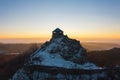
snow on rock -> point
(21, 74)
(60, 51)
(57, 60)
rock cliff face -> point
(60, 51)
(68, 49)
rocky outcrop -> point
(69, 49)
(60, 52)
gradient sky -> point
(80, 19)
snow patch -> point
(58, 61)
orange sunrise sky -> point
(25, 21)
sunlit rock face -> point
(60, 52)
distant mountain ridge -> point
(108, 58)
(99, 46)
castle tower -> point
(57, 33)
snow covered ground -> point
(56, 60)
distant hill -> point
(97, 46)
(21, 47)
(107, 58)
(15, 48)
(9, 63)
